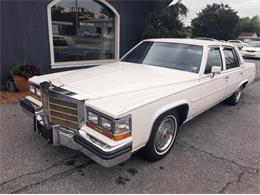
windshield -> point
(168, 55)
(253, 45)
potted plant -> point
(21, 73)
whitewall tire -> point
(162, 137)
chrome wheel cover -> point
(165, 135)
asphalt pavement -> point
(217, 152)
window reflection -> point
(82, 30)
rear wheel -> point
(235, 98)
(162, 137)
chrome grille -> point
(63, 113)
(62, 109)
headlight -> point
(34, 89)
(92, 117)
(116, 129)
(107, 124)
(122, 125)
(38, 91)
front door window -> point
(214, 59)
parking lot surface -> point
(217, 152)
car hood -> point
(116, 78)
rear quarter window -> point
(231, 58)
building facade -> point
(60, 35)
(249, 36)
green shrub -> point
(26, 71)
(165, 21)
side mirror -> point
(215, 70)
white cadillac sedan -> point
(108, 112)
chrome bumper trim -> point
(29, 107)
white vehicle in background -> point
(65, 49)
(251, 50)
(239, 44)
(108, 36)
(109, 112)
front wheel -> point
(162, 137)
(235, 98)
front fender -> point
(168, 107)
(159, 112)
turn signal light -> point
(121, 136)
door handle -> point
(227, 77)
(241, 73)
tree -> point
(218, 21)
(165, 21)
(249, 25)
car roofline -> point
(196, 42)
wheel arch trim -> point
(244, 82)
(165, 109)
(169, 107)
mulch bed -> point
(7, 97)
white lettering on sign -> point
(97, 14)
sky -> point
(245, 8)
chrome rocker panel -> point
(102, 153)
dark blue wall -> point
(24, 31)
(24, 35)
(132, 14)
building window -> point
(82, 32)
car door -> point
(234, 72)
(213, 86)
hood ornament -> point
(50, 85)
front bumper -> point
(80, 140)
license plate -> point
(45, 132)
